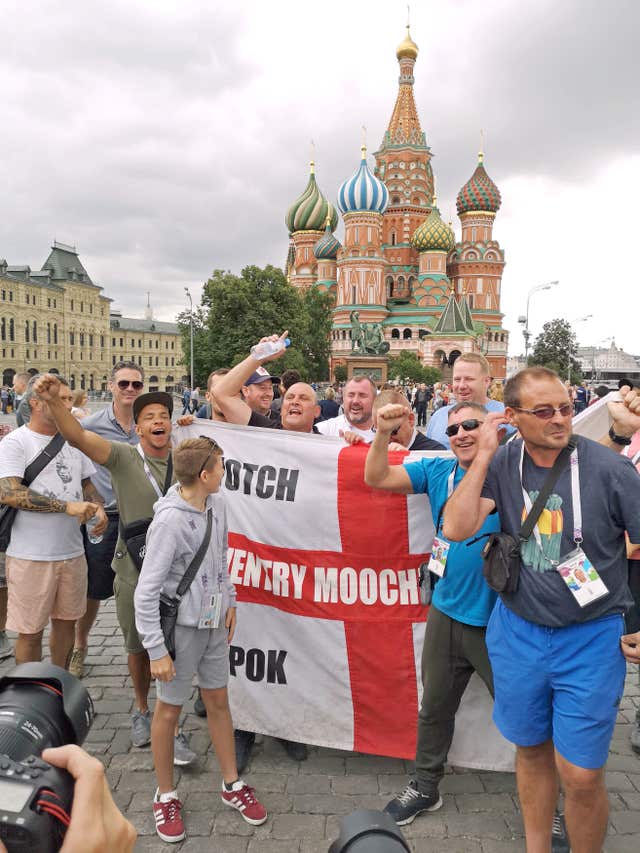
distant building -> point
(57, 320)
(606, 366)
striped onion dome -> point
(433, 235)
(310, 211)
(363, 191)
(327, 246)
(479, 193)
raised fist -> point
(47, 387)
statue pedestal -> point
(374, 366)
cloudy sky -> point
(166, 138)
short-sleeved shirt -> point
(334, 426)
(631, 451)
(135, 496)
(440, 418)
(462, 592)
(105, 424)
(610, 502)
(45, 536)
(258, 420)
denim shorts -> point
(560, 684)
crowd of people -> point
(106, 506)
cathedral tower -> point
(306, 220)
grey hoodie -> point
(174, 536)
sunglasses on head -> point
(214, 446)
(468, 425)
(545, 413)
(136, 384)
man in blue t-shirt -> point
(557, 643)
(454, 645)
(469, 384)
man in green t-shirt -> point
(139, 478)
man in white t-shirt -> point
(357, 401)
(46, 566)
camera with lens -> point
(41, 706)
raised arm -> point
(228, 387)
(377, 472)
(625, 417)
(466, 510)
(94, 446)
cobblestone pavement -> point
(305, 800)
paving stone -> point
(618, 782)
(299, 826)
(322, 804)
(485, 803)
(310, 784)
(374, 764)
(625, 823)
(621, 844)
(461, 783)
(498, 783)
(216, 844)
(357, 785)
(392, 783)
(489, 826)
(446, 845)
(269, 846)
(514, 845)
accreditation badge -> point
(210, 611)
(439, 554)
(581, 578)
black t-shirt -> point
(421, 442)
(258, 420)
(610, 501)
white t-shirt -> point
(45, 536)
(334, 425)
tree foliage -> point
(407, 365)
(236, 311)
(556, 347)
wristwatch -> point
(618, 439)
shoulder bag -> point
(501, 553)
(8, 513)
(169, 606)
(134, 534)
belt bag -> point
(169, 606)
(501, 554)
(135, 539)
(8, 513)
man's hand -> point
(280, 352)
(163, 669)
(185, 420)
(82, 510)
(391, 417)
(103, 521)
(625, 413)
(490, 433)
(230, 623)
(97, 825)
(351, 437)
(630, 645)
(47, 387)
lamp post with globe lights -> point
(524, 319)
(186, 290)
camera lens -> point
(42, 705)
(368, 831)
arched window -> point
(3, 329)
(395, 334)
(48, 333)
(400, 281)
(35, 332)
(389, 286)
(411, 282)
(26, 331)
(393, 238)
(55, 333)
(406, 334)
(12, 329)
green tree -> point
(556, 348)
(407, 365)
(236, 311)
(340, 373)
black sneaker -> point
(244, 744)
(296, 751)
(559, 840)
(410, 803)
(198, 706)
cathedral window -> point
(407, 334)
(353, 294)
(393, 238)
(473, 235)
(55, 334)
(395, 334)
(26, 331)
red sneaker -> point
(243, 798)
(169, 823)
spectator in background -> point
(423, 395)
(328, 407)
(20, 405)
(79, 409)
(186, 401)
(195, 400)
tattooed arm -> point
(15, 494)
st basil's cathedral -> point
(401, 270)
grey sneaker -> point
(183, 755)
(141, 728)
(6, 649)
(76, 662)
(559, 840)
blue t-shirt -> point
(440, 418)
(610, 502)
(462, 593)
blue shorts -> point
(559, 684)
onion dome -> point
(433, 235)
(310, 211)
(479, 193)
(407, 49)
(363, 191)
(327, 246)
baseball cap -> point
(153, 397)
(261, 375)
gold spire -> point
(312, 167)
(407, 49)
(434, 200)
(481, 151)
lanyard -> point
(575, 498)
(450, 480)
(147, 471)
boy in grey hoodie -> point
(205, 626)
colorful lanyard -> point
(575, 498)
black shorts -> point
(632, 616)
(99, 559)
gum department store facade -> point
(56, 319)
(400, 265)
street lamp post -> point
(186, 290)
(577, 320)
(525, 320)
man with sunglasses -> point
(140, 475)
(454, 646)
(115, 423)
(557, 644)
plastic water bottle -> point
(264, 350)
(90, 525)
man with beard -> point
(357, 401)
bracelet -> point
(618, 439)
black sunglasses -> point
(468, 426)
(214, 446)
(136, 384)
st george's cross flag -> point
(330, 627)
